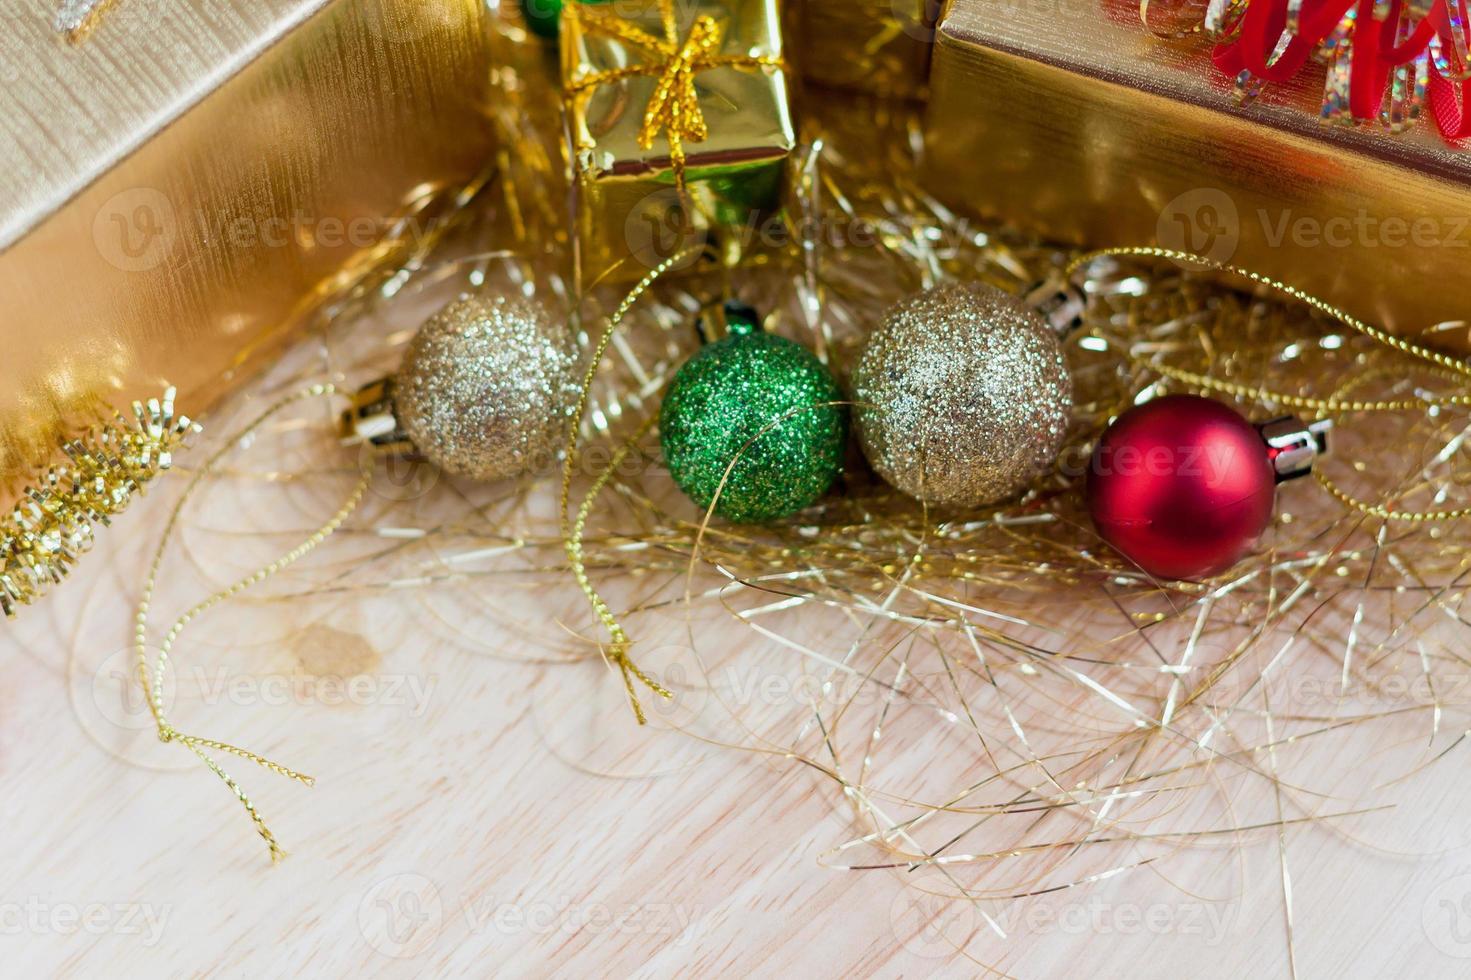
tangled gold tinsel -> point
(55, 521)
(1003, 708)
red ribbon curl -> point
(1260, 46)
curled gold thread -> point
(1324, 406)
(572, 531)
(152, 680)
(1453, 364)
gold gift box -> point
(1086, 128)
(877, 46)
(181, 184)
(628, 209)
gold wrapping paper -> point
(877, 46)
(1087, 129)
(630, 212)
(181, 185)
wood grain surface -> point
(485, 806)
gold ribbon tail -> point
(574, 529)
(152, 677)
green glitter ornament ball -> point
(724, 396)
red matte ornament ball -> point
(1182, 486)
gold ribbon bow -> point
(674, 108)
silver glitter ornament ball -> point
(486, 387)
(962, 396)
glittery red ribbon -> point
(1260, 46)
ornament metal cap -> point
(1058, 301)
(1294, 445)
(731, 317)
(372, 420)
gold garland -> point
(56, 519)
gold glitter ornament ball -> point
(962, 395)
(486, 387)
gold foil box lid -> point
(185, 183)
(1105, 40)
(84, 83)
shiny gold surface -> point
(178, 188)
(1093, 131)
(878, 46)
(626, 197)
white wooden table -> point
(484, 806)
